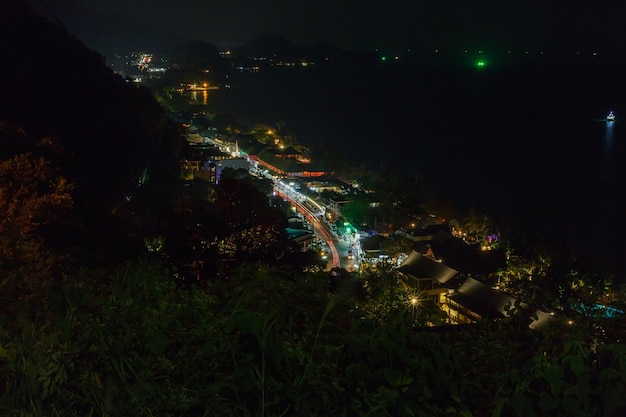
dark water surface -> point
(525, 141)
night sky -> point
(362, 24)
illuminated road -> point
(320, 227)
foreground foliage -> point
(269, 343)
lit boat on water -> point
(610, 117)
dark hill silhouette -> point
(107, 32)
(270, 45)
(276, 47)
(320, 51)
(198, 57)
(105, 129)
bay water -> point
(526, 140)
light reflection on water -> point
(203, 97)
(608, 136)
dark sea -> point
(523, 139)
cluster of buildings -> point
(450, 272)
(213, 153)
(440, 267)
(138, 66)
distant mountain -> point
(113, 34)
(197, 56)
(271, 46)
(323, 50)
(277, 47)
(106, 33)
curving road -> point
(339, 248)
(320, 227)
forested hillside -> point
(101, 134)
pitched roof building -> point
(463, 298)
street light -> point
(413, 301)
